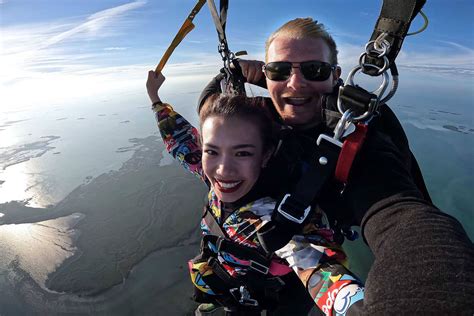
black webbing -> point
(219, 20)
(356, 98)
(395, 19)
(224, 5)
(279, 231)
(233, 81)
(242, 252)
(312, 180)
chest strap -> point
(217, 242)
(333, 159)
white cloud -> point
(115, 48)
(34, 37)
(450, 58)
(26, 46)
(458, 46)
(94, 23)
(34, 51)
(35, 62)
(453, 58)
(444, 69)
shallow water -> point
(39, 248)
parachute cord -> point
(425, 25)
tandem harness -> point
(335, 155)
(241, 277)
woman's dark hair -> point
(251, 109)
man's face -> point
(297, 100)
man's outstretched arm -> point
(424, 260)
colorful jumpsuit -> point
(313, 255)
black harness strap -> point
(226, 286)
(295, 207)
(258, 262)
(356, 98)
(228, 281)
(394, 19)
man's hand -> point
(153, 84)
(251, 70)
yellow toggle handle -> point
(183, 31)
(187, 27)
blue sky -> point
(56, 49)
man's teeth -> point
(229, 185)
(297, 101)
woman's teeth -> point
(229, 185)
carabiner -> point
(343, 124)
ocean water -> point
(96, 219)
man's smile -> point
(297, 101)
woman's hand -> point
(153, 84)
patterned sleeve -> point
(181, 139)
(318, 262)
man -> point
(423, 257)
(298, 101)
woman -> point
(233, 270)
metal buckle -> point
(328, 139)
(259, 267)
(289, 216)
(244, 296)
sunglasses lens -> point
(278, 71)
(316, 70)
(311, 70)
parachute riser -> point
(379, 56)
(231, 84)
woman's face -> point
(233, 156)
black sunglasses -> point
(313, 70)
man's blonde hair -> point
(304, 28)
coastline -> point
(130, 215)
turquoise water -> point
(95, 173)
